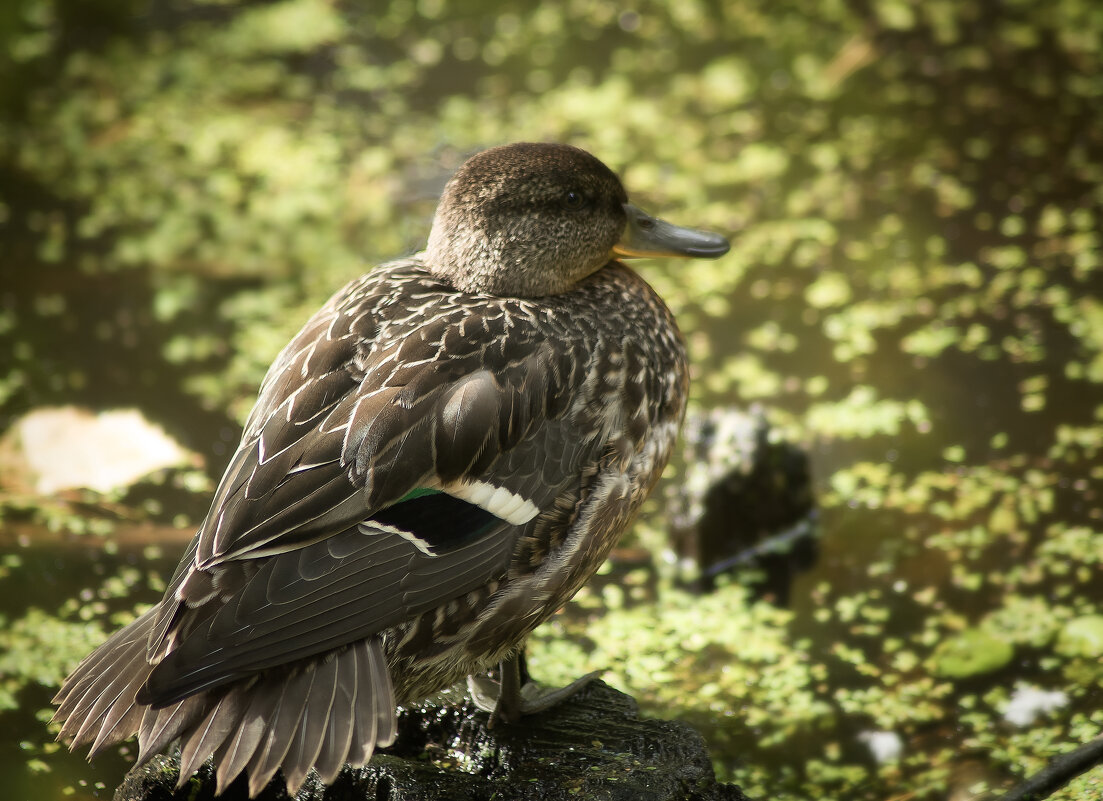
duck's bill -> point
(647, 236)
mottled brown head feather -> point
(526, 220)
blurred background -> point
(914, 192)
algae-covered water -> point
(914, 192)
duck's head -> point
(527, 220)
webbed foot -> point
(508, 700)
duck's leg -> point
(508, 699)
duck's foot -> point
(508, 700)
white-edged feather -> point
(499, 501)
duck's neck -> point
(503, 262)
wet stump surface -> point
(594, 746)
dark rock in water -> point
(594, 747)
(746, 497)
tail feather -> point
(121, 719)
(317, 714)
(160, 727)
(76, 685)
(202, 741)
(313, 726)
(338, 734)
(286, 714)
(364, 714)
(386, 721)
(111, 703)
(96, 692)
(71, 716)
(80, 689)
(238, 749)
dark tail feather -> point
(338, 735)
(206, 738)
(311, 717)
(120, 720)
(318, 714)
(386, 723)
(311, 733)
(96, 703)
(290, 699)
(160, 727)
(365, 722)
(238, 749)
(76, 685)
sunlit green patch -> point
(971, 653)
(1082, 637)
(42, 649)
(863, 414)
(739, 660)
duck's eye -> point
(573, 201)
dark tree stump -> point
(744, 496)
(594, 747)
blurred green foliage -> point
(915, 194)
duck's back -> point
(598, 380)
(526, 431)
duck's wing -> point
(377, 479)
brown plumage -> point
(438, 461)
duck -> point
(435, 464)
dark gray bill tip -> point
(646, 236)
(711, 246)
